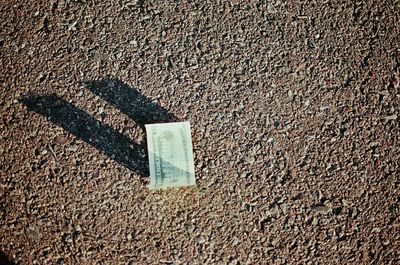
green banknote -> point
(170, 155)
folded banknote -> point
(170, 155)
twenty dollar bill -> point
(170, 155)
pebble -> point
(78, 228)
(271, 9)
(376, 230)
(72, 148)
(201, 239)
(391, 117)
(250, 159)
(275, 241)
(322, 209)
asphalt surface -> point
(294, 108)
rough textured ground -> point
(295, 117)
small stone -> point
(273, 211)
(355, 213)
(346, 203)
(271, 9)
(250, 159)
(200, 239)
(32, 232)
(376, 230)
(384, 93)
(190, 228)
(129, 236)
(284, 208)
(322, 209)
(78, 228)
(72, 148)
(244, 175)
(391, 117)
(236, 242)
(196, 85)
(275, 241)
(396, 82)
(72, 26)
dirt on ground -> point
(294, 109)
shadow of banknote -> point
(138, 107)
(87, 128)
(103, 137)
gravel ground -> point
(295, 118)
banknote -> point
(170, 155)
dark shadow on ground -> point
(85, 127)
(138, 107)
(4, 260)
(110, 142)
